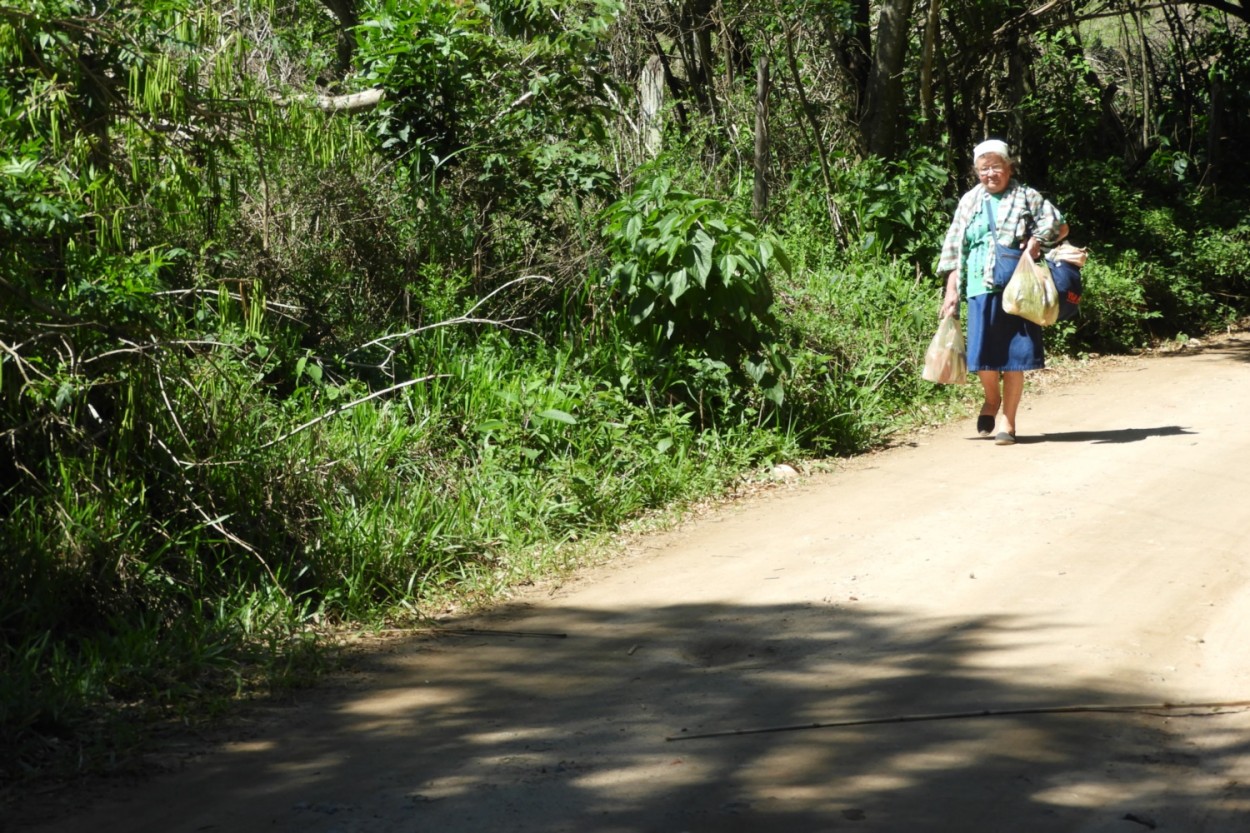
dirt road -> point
(1101, 561)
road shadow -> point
(1118, 435)
(508, 728)
(1237, 349)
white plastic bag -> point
(945, 362)
(1031, 292)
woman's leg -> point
(1013, 390)
(993, 397)
(987, 419)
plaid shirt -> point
(1022, 213)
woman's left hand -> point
(1033, 247)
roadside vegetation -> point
(313, 313)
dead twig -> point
(217, 524)
(488, 632)
(1139, 708)
(340, 409)
(21, 364)
(466, 318)
(435, 629)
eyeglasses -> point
(990, 169)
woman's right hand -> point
(950, 301)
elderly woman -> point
(993, 224)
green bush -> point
(692, 278)
(859, 329)
(895, 208)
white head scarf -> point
(995, 146)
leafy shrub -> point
(691, 274)
(894, 208)
(859, 328)
(1115, 315)
(1099, 203)
(1222, 256)
(1062, 108)
(1158, 267)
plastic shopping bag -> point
(945, 362)
(1031, 292)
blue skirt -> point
(998, 340)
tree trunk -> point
(702, 36)
(650, 103)
(927, 118)
(818, 141)
(759, 201)
(851, 49)
(670, 78)
(1148, 80)
(883, 105)
(692, 23)
(344, 12)
(1215, 131)
(1028, 144)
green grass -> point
(177, 590)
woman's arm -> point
(953, 244)
(950, 299)
(1048, 224)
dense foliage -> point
(311, 311)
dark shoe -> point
(985, 425)
(1005, 438)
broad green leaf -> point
(678, 283)
(556, 415)
(63, 395)
(668, 225)
(783, 260)
(701, 251)
(633, 229)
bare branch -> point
(515, 105)
(216, 523)
(22, 364)
(1239, 10)
(349, 405)
(173, 414)
(466, 318)
(506, 323)
(234, 296)
(349, 103)
(1054, 5)
(508, 285)
(158, 345)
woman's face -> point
(993, 171)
